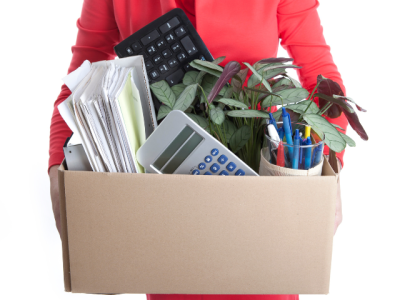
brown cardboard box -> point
(180, 234)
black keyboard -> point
(168, 45)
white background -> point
(36, 37)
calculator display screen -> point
(179, 149)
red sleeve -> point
(302, 37)
(97, 35)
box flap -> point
(64, 233)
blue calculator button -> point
(208, 159)
(222, 159)
(224, 173)
(207, 173)
(240, 172)
(214, 168)
(202, 166)
(231, 167)
(214, 152)
(195, 172)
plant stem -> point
(325, 108)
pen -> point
(307, 131)
(280, 161)
(287, 127)
(302, 142)
(273, 134)
(307, 159)
(295, 159)
(318, 154)
(272, 121)
(281, 132)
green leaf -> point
(332, 137)
(190, 77)
(229, 129)
(217, 115)
(163, 93)
(337, 126)
(221, 105)
(288, 96)
(186, 98)
(349, 141)
(178, 89)
(259, 77)
(283, 81)
(277, 114)
(302, 106)
(240, 138)
(232, 102)
(218, 60)
(202, 122)
(208, 83)
(248, 113)
(206, 66)
(163, 112)
(228, 93)
(294, 81)
(202, 73)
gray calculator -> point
(181, 146)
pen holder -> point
(309, 157)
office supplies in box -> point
(179, 234)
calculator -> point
(168, 45)
(181, 146)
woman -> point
(241, 30)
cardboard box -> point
(182, 234)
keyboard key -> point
(152, 36)
(167, 53)
(181, 56)
(214, 168)
(143, 54)
(161, 44)
(231, 167)
(169, 25)
(136, 46)
(208, 159)
(176, 47)
(214, 152)
(202, 57)
(129, 51)
(163, 68)
(222, 159)
(202, 166)
(187, 67)
(154, 74)
(170, 38)
(172, 62)
(240, 172)
(157, 59)
(151, 50)
(207, 173)
(180, 31)
(224, 173)
(149, 65)
(175, 77)
(195, 172)
(188, 45)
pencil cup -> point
(303, 157)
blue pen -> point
(307, 159)
(318, 154)
(302, 142)
(281, 132)
(272, 121)
(287, 127)
(295, 160)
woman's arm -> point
(97, 35)
(302, 37)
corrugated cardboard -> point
(182, 234)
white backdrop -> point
(35, 47)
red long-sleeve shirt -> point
(241, 30)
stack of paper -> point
(110, 112)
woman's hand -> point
(55, 196)
(338, 213)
